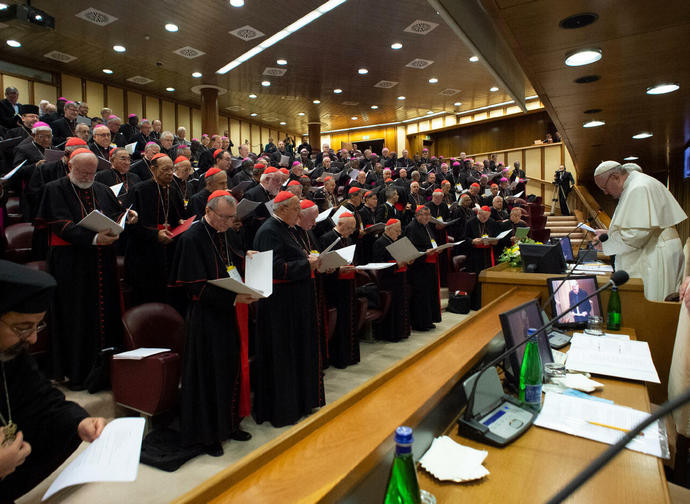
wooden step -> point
(559, 218)
(564, 229)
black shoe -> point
(240, 435)
(432, 326)
(214, 449)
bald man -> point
(642, 234)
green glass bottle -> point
(531, 373)
(614, 310)
(403, 487)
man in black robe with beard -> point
(425, 301)
(48, 428)
(289, 382)
(87, 307)
(209, 409)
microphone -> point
(599, 239)
(473, 427)
(615, 449)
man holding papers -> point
(289, 379)
(39, 428)
(210, 402)
(119, 174)
(87, 307)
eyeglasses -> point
(223, 217)
(101, 134)
(25, 333)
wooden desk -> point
(329, 453)
(541, 462)
(655, 322)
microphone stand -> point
(469, 424)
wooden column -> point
(209, 111)
(315, 136)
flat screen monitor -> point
(567, 248)
(515, 323)
(542, 258)
(575, 290)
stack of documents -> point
(140, 353)
(594, 269)
(258, 275)
(336, 258)
(451, 461)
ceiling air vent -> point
(96, 16)
(275, 72)
(386, 84)
(189, 52)
(421, 27)
(246, 33)
(351, 103)
(60, 56)
(449, 92)
(138, 79)
(419, 63)
(288, 98)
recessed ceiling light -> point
(593, 124)
(433, 80)
(300, 113)
(396, 45)
(107, 71)
(429, 112)
(281, 61)
(237, 3)
(642, 135)
(630, 158)
(171, 89)
(316, 102)
(354, 118)
(457, 104)
(401, 97)
(493, 89)
(663, 88)
(265, 83)
(582, 57)
(119, 48)
(374, 107)
(3, 6)
(252, 96)
(283, 123)
(196, 75)
(474, 59)
(14, 43)
(171, 27)
(362, 71)
(337, 91)
(578, 20)
(253, 114)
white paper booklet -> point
(139, 353)
(258, 275)
(96, 221)
(336, 258)
(403, 251)
(375, 266)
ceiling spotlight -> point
(362, 71)
(433, 80)
(396, 45)
(401, 98)
(316, 102)
(171, 89)
(3, 6)
(14, 43)
(253, 114)
(300, 113)
(252, 96)
(337, 91)
(281, 61)
(237, 3)
(493, 89)
(38, 17)
(171, 27)
(457, 104)
(283, 123)
(107, 71)
(582, 57)
(428, 112)
(642, 135)
(196, 75)
(631, 158)
(593, 124)
(374, 107)
(474, 59)
(663, 88)
(265, 83)
(354, 118)
(119, 48)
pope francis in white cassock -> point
(642, 235)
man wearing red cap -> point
(480, 229)
(289, 380)
(210, 408)
(182, 181)
(87, 305)
(150, 247)
(215, 179)
(295, 188)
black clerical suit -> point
(396, 325)
(63, 128)
(425, 300)
(142, 169)
(8, 115)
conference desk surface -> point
(537, 465)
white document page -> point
(375, 266)
(140, 353)
(403, 250)
(10, 174)
(245, 207)
(518, 194)
(51, 155)
(448, 245)
(96, 221)
(341, 210)
(323, 215)
(584, 226)
(114, 456)
(336, 258)
(130, 148)
(579, 417)
(503, 234)
(116, 188)
(258, 272)
(611, 357)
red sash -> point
(56, 241)
(242, 311)
(347, 275)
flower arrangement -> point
(512, 254)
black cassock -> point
(396, 325)
(48, 423)
(147, 261)
(128, 180)
(289, 381)
(43, 174)
(209, 410)
(87, 300)
(425, 301)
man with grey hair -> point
(116, 138)
(166, 143)
(142, 138)
(143, 167)
(82, 131)
(65, 126)
(181, 137)
(642, 233)
(157, 127)
(9, 108)
(211, 393)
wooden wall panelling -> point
(70, 88)
(116, 102)
(532, 165)
(168, 116)
(255, 139)
(513, 156)
(135, 104)
(196, 124)
(245, 133)
(44, 92)
(235, 134)
(552, 160)
(95, 96)
(265, 133)
(22, 86)
(153, 108)
(183, 119)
